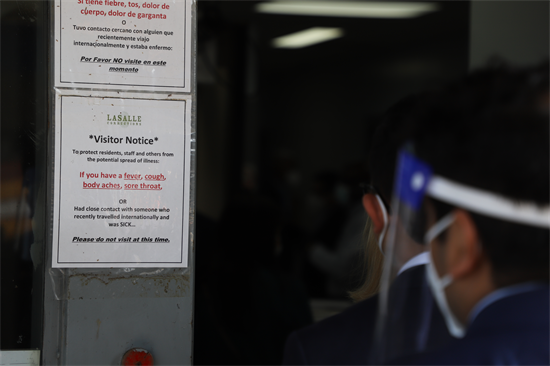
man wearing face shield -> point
(347, 337)
(473, 186)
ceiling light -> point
(367, 9)
(307, 37)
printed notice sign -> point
(114, 44)
(122, 173)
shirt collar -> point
(417, 260)
(502, 293)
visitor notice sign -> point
(121, 182)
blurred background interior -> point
(288, 100)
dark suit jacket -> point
(346, 338)
(511, 331)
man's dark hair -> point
(393, 130)
(491, 131)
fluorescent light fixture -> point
(307, 37)
(354, 9)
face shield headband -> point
(416, 180)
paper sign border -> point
(187, 64)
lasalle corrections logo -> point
(123, 119)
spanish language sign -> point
(123, 44)
(121, 183)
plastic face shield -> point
(405, 303)
(409, 320)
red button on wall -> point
(137, 357)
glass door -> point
(24, 121)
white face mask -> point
(386, 222)
(438, 285)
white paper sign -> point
(122, 173)
(137, 44)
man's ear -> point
(464, 253)
(373, 209)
